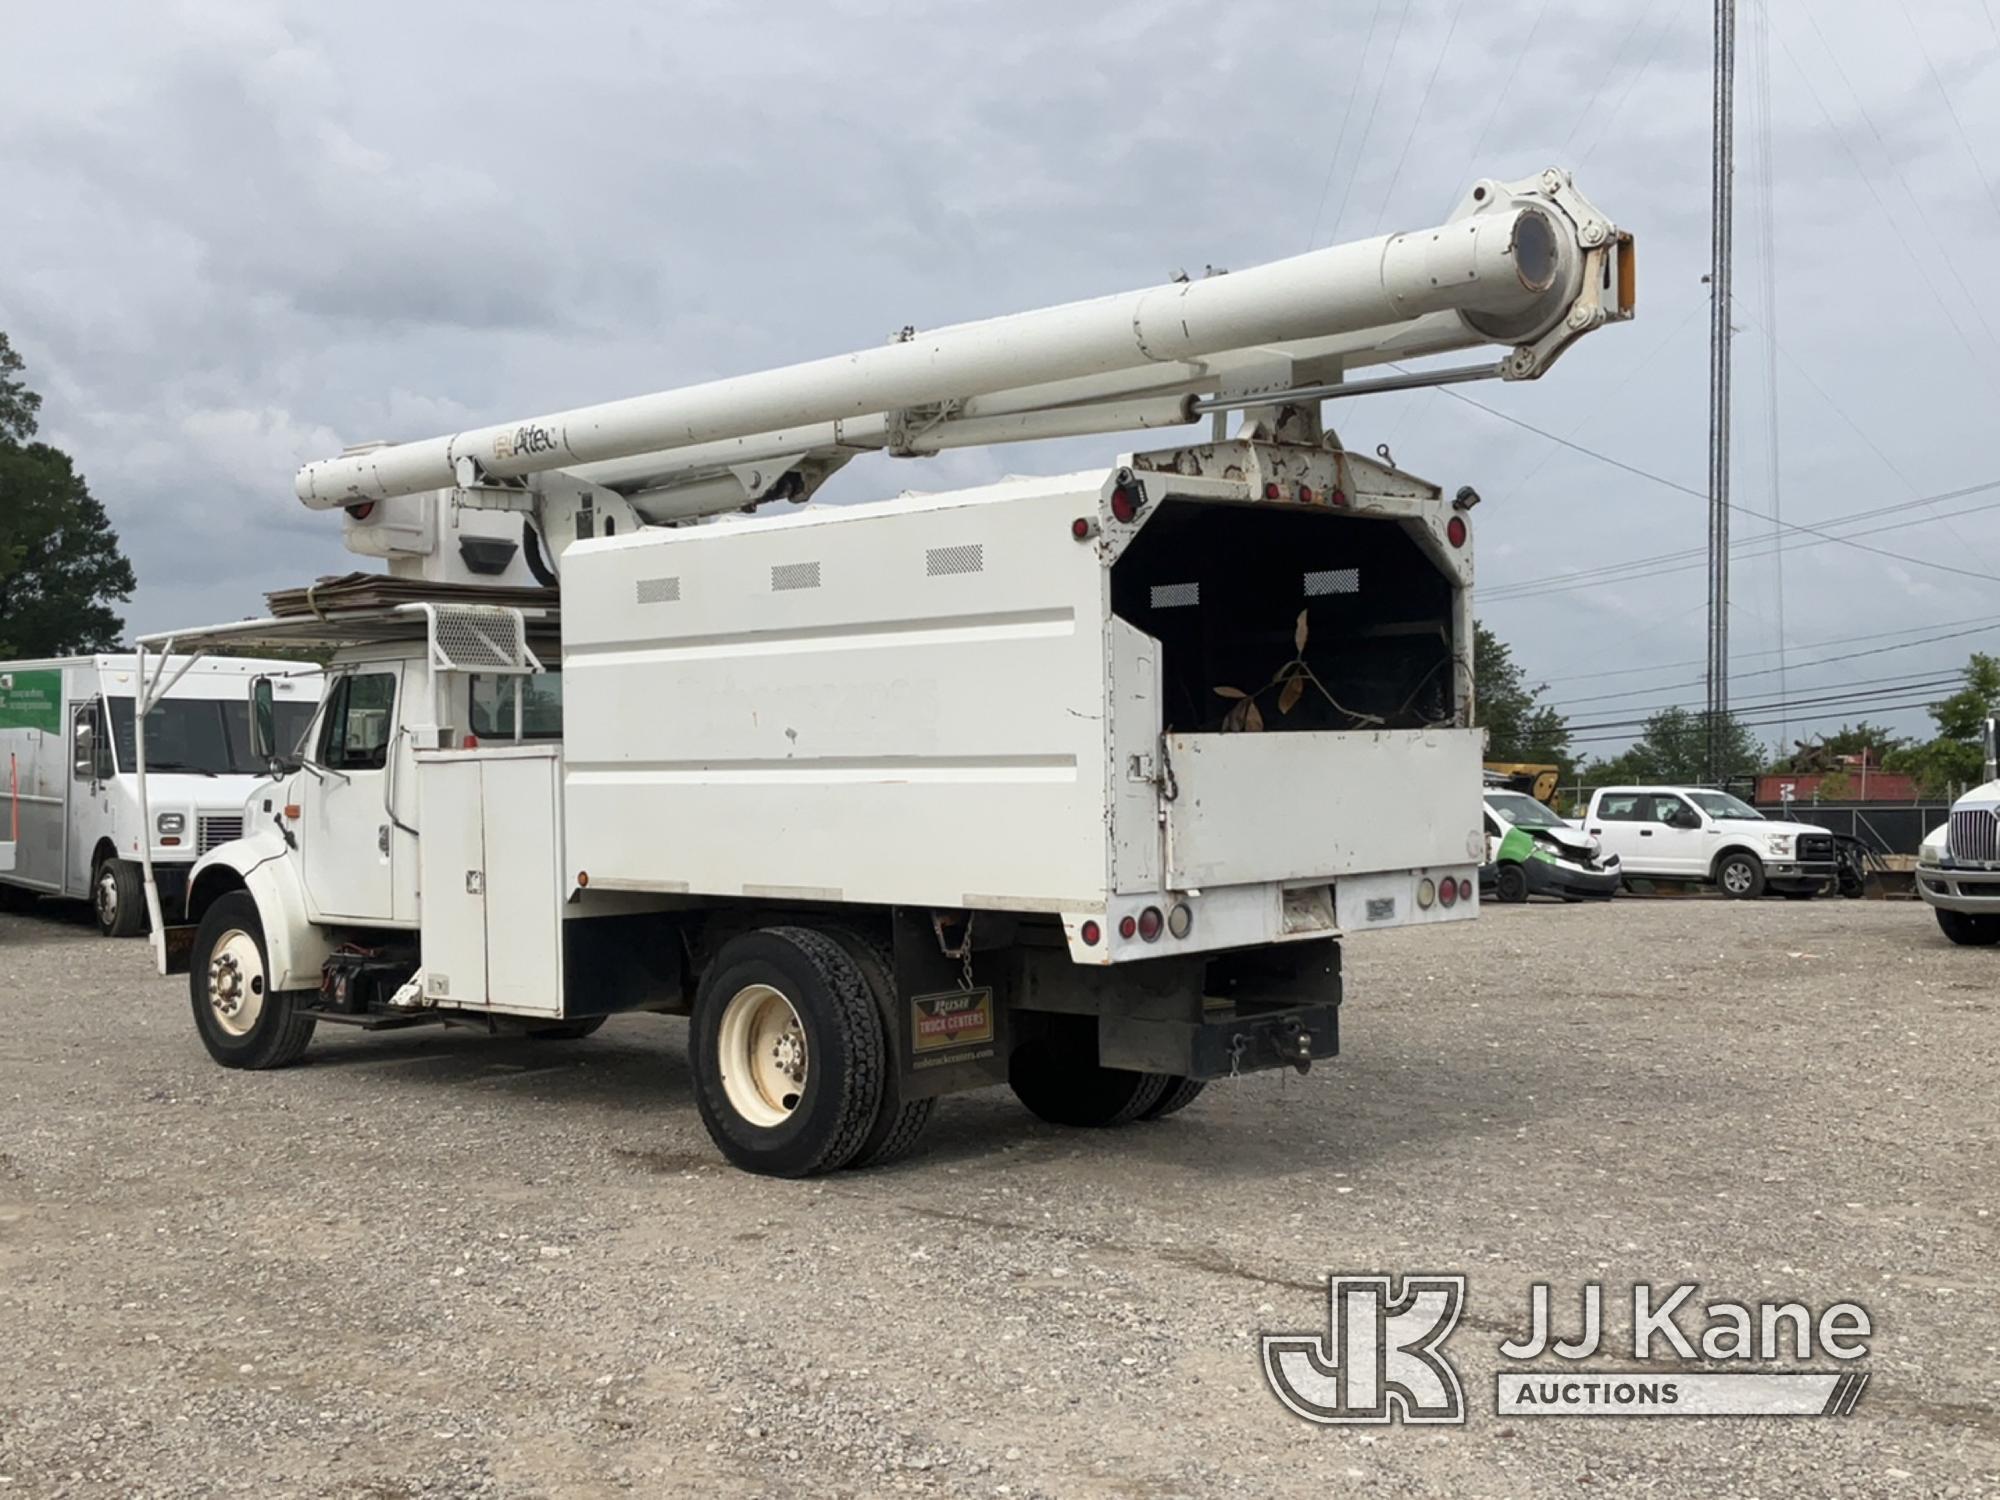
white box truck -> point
(69, 773)
(1070, 783)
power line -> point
(1854, 697)
(1839, 640)
(1418, 119)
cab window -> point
(355, 736)
(1675, 813)
(1623, 807)
(541, 706)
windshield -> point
(1722, 805)
(1523, 811)
(206, 736)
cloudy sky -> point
(240, 235)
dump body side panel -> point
(866, 704)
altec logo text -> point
(1382, 1357)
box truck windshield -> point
(205, 736)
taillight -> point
(1455, 531)
(1272, 492)
(1336, 497)
(1126, 504)
(1464, 889)
(1447, 892)
(1305, 494)
(1091, 934)
(1127, 926)
(1150, 923)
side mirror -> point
(263, 721)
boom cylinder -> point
(1511, 268)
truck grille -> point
(216, 830)
(1975, 836)
(1815, 846)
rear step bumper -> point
(1244, 1039)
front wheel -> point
(1511, 884)
(118, 896)
(243, 1022)
(1970, 929)
(786, 1049)
(1741, 876)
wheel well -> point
(105, 850)
(210, 886)
(1715, 865)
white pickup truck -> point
(1697, 834)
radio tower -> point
(1718, 383)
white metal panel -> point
(524, 887)
(452, 867)
(844, 706)
(1293, 806)
(1135, 726)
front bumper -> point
(1952, 888)
(1550, 877)
(1801, 869)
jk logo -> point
(1380, 1359)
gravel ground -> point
(433, 1264)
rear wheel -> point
(243, 1022)
(1970, 929)
(786, 1050)
(1511, 884)
(118, 895)
(1058, 1077)
(1741, 876)
(1179, 1094)
(899, 1123)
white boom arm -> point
(1530, 264)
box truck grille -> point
(1975, 835)
(217, 830)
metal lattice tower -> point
(1718, 382)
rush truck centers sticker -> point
(952, 1018)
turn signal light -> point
(170, 841)
(1447, 892)
(1426, 892)
(292, 811)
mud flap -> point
(177, 948)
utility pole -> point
(1718, 381)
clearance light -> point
(1456, 531)
(1083, 528)
(1091, 934)
(1272, 492)
(1305, 494)
(1126, 504)
(292, 811)
(582, 878)
(1336, 497)
(1426, 892)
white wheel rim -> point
(236, 983)
(761, 1055)
(107, 897)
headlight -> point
(1780, 843)
(171, 823)
(1932, 850)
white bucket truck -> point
(69, 776)
(1069, 783)
(1958, 867)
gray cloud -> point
(243, 235)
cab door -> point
(1678, 831)
(1622, 822)
(347, 836)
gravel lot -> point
(427, 1263)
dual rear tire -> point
(1057, 1076)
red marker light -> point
(1305, 494)
(1447, 891)
(1272, 492)
(1336, 497)
(1455, 531)
(1150, 924)
(1464, 889)
(1127, 926)
(1081, 528)
(1125, 504)
(1091, 933)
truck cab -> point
(1958, 867)
(1703, 836)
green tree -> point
(1673, 749)
(1520, 727)
(1955, 759)
(60, 566)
